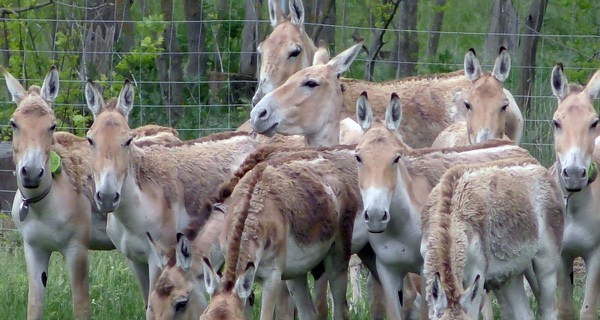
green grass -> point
(113, 291)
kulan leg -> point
(284, 308)
(375, 292)
(298, 288)
(270, 294)
(141, 274)
(513, 300)
(592, 287)
(320, 299)
(77, 262)
(391, 281)
(336, 266)
(37, 272)
(546, 273)
(566, 305)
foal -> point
(487, 104)
(487, 224)
(289, 214)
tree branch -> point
(378, 42)
(7, 11)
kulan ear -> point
(50, 85)
(322, 54)
(15, 88)
(393, 113)
(342, 61)
(275, 13)
(471, 298)
(593, 86)
(297, 13)
(243, 285)
(212, 281)
(93, 97)
(472, 66)
(125, 100)
(438, 295)
(183, 252)
(364, 113)
(502, 66)
(160, 256)
(559, 83)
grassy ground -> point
(113, 290)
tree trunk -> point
(320, 13)
(436, 27)
(126, 29)
(528, 49)
(196, 38)
(503, 30)
(171, 64)
(250, 40)
(406, 48)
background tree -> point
(502, 31)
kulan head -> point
(110, 141)
(231, 299)
(33, 124)
(378, 156)
(308, 103)
(285, 51)
(178, 294)
(487, 102)
(454, 305)
(575, 123)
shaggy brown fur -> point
(295, 187)
(432, 163)
(426, 103)
(448, 255)
(152, 130)
(168, 166)
(458, 207)
(74, 153)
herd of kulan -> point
(421, 178)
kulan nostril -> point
(565, 173)
(117, 197)
(263, 114)
(366, 215)
(584, 173)
(385, 216)
(98, 196)
(41, 173)
(23, 171)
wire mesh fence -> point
(194, 62)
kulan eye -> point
(295, 53)
(180, 306)
(128, 142)
(467, 106)
(556, 124)
(358, 159)
(310, 83)
(90, 141)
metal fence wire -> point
(194, 63)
